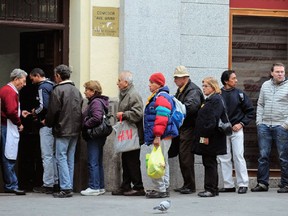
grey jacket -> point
(272, 104)
(64, 110)
(131, 104)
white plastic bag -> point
(126, 137)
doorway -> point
(257, 41)
(42, 50)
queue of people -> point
(62, 120)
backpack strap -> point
(171, 97)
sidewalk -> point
(251, 204)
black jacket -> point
(192, 98)
(65, 110)
(239, 106)
(207, 126)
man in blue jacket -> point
(240, 112)
(50, 176)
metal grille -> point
(47, 11)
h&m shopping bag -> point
(126, 137)
(155, 163)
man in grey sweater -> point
(272, 127)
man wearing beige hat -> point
(191, 96)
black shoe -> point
(283, 190)
(119, 192)
(179, 189)
(43, 189)
(63, 194)
(242, 190)
(187, 191)
(16, 191)
(206, 194)
(56, 188)
(132, 192)
(260, 188)
(224, 190)
(156, 194)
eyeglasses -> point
(206, 86)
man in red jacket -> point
(10, 127)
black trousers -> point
(211, 173)
(186, 157)
(131, 170)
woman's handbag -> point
(126, 137)
(225, 127)
(155, 163)
(102, 130)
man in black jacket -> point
(240, 112)
(191, 96)
(64, 116)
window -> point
(47, 11)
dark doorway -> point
(42, 50)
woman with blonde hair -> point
(92, 117)
(209, 141)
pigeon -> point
(163, 206)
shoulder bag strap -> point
(225, 109)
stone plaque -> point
(105, 21)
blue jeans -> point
(47, 144)
(9, 174)
(65, 153)
(95, 163)
(266, 136)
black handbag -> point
(104, 129)
(225, 127)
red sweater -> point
(9, 105)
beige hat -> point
(181, 71)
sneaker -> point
(43, 189)
(283, 190)
(156, 194)
(90, 192)
(102, 191)
(63, 194)
(260, 188)
(242, 190)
